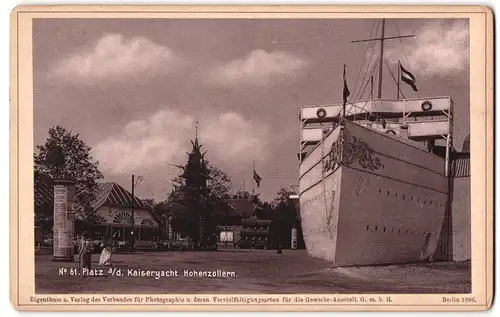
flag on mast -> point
(408, 78)
(346, 93)
(257, 178)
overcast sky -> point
(133, 89)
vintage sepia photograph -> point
(251, 156)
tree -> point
(196, 191)
(218, 183)
(173, 212)
(284, 217)
(65, 156)
(183, 199)
(283, 197)
(176, 196)
(243, 194)
(44, 202)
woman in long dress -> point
(106, 253)
(85, 254)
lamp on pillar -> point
(132, 233)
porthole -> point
(406, 232)
(399, 231)
(411, 197)
(392, 230)
(376, 228)
(367, 227)
(321, 113)
(388, 193)
(385, 229)
(418, 200)
(425, 201)
(396, 194)
(379, 190)
(426, 105)
(430, 202)
(404, 196)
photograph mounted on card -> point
(228, 158)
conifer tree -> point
(192, 191)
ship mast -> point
(382, 38)
(381, 60)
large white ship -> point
(374, 177)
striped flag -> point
(408, 78)
(257, 178)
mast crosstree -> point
(382, 38)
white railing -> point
(403, 106)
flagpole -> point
(253, 182)
(371, 86)
(343, 106)
(399, 76)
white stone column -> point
(294, 239)
(64, 198)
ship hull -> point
(367, 198)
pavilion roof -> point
(112, 194)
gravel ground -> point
(265, 272)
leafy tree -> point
(218, 183)
(283, 197)
(168, 209)
(162, 209)
(44, 202)
(285, 217)
(176, 196)
(243, 194)
(65, 156)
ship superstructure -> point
(374, 178)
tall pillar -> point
(294, 239)
(170, 233)
(64, 198)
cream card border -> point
(481, 127)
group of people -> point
(85, 254)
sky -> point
(134, 88)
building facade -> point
(230, 214)
(113, 217)
(459, 229)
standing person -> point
(280, 249)
(85, 254)
(106, 253)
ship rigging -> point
(381, 60)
